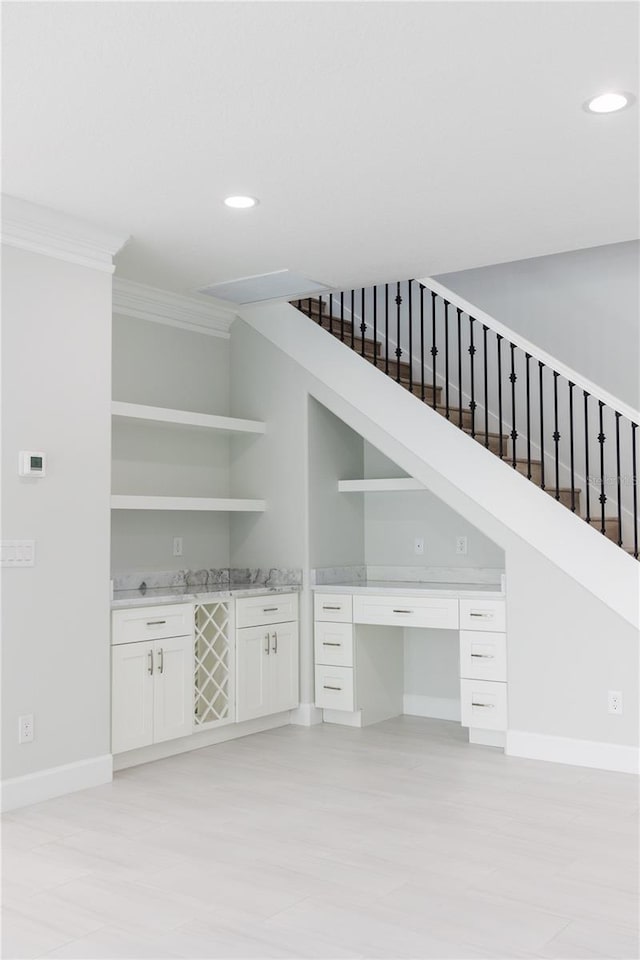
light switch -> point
(18, 553)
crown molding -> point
(133, 299)
(37, 229)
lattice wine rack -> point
(214, 665)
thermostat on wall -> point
(32, 464)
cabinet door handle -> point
(487, 706)
(161, 667)
(483, 615)
(403, 611)
(484, 656)
(326, 606)
(150, 667)
(270, 609)
(275, 641)
(326, 686)
(155, 623)
(267, 649)
(326, 643)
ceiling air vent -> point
(279, 285)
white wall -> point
(581, 307)
(56, 388)
(166, 366)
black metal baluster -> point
(556, 434)
(586, 454)
(422, 342)
(319, 309)
(386, 328)
(634, 481)
(618, 478)
(375, 326)
(514, 432)
(353, 318)
(363, 323)
(460, 418)
(434, 349)
(446, 359)
(528, 391)
(571, 456)
(398, 347)
(601, 440)
(342, 317)
(472, 377)
(410, 303)
(330, 313)
(540, 381)
(499, 336)
(485, 357)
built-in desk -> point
(359, 628)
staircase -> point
(399, 327)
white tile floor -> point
(399, 840)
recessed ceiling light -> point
(241, 203)
(608, 102)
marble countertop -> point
(153, 596)
(413, 588)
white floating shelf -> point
(379, 486)
(223, 504)
(138, 411)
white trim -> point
(343, 717)
(438, 708)
(306, 715)
(132, 299)
(224, 504)
(56, 781)
(536, 352)
(487, 738)
(579, 753)
(139, 411)
(37, 229)
(379, 486)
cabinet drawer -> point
(407, 611)
(483, 704)
(334, 688)
(334, 643)
(483, 655)
(335, 607)
(482, 615)
(272, 608)
(151, 623)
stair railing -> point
(546, 420)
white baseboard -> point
(56, 781)
(343, 717)
(579, 753)
(487, 738)
(306, 715)
(438, 708)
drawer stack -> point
(483, 668)
(334, 670)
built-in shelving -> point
(138, 411)
(223, 504)
(379, 486)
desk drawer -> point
(151, 623)
(334, 607)
(334, 643)
(483, 704)
(406, 611)
(482, 615)
(334, 688)
(271, 608)
(483, 655)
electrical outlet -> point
(25, 728)
(418, 546)
(461, 545)
(177, 546)
(615, 701)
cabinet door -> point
(283, 680)
(173, 688)
(132, 669)
(253, 657)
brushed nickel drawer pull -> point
(403, 611)
(326, 687)
(270, 609)
(150, 667)
(275, 641)
(487, 706)
(267, 649)
(326, 606)
(161, 667)
(155, 623)
(485, 616)
(484, 656)
(326, 643)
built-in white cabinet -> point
(266, 656)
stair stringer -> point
(466, 476)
